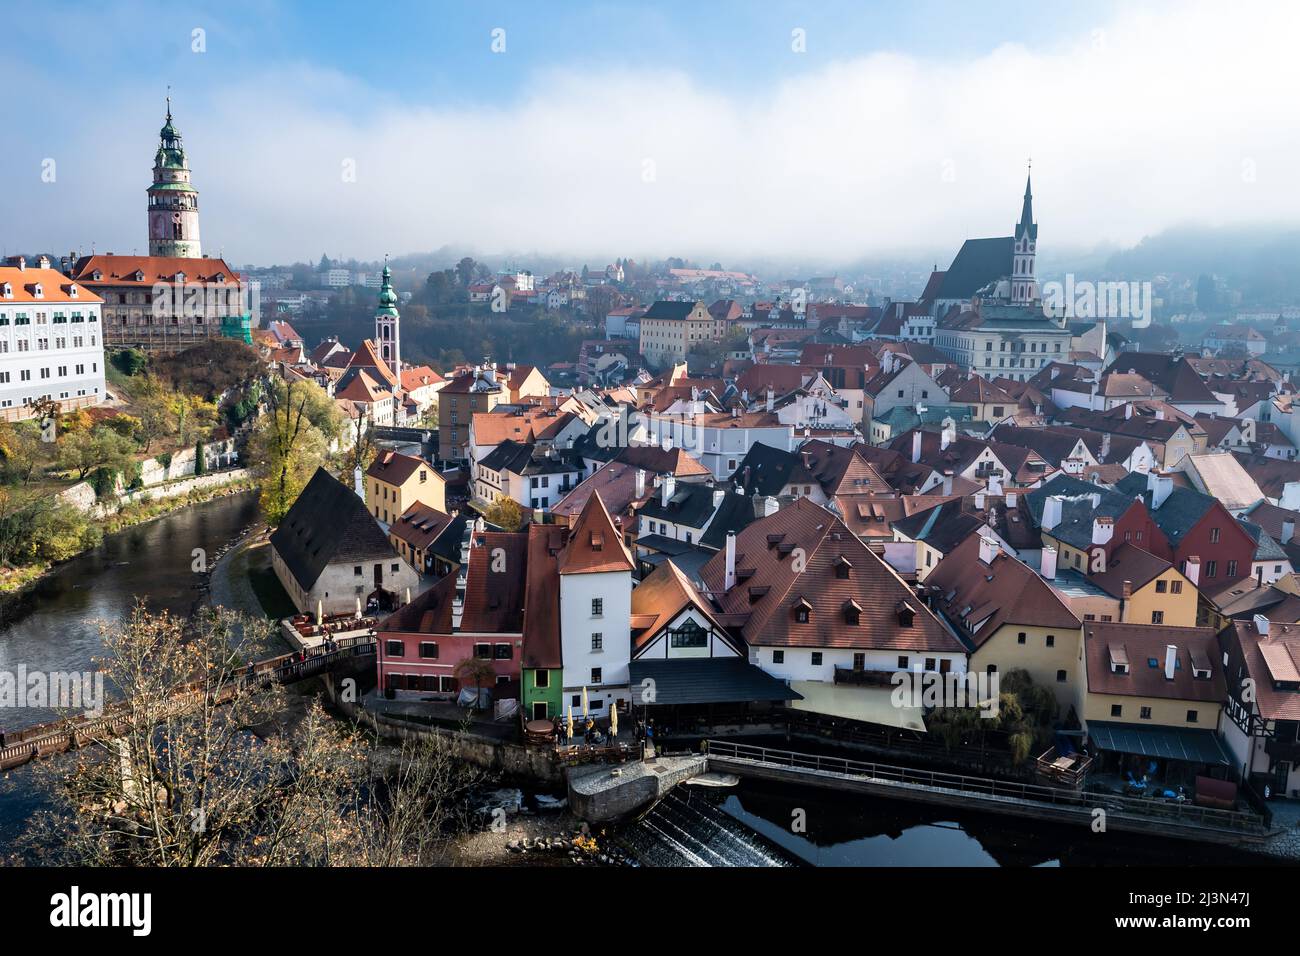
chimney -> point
(771, 399)
(1128, 410)
(729, 575)
(718, 495)
(1171, 661)
(1103, 529)
(916, 446)
(640, 483)
(995, 484)
(1288, 530)
(358, 483)
(988, 549)
(1048, 567)
(1261, 624)
(1126, 591)
(1010, 499)
(979, 501)
(770, 506)
(1160, 486)
(947, 482)
(948, 435)
(1052, 511)
(667, 485)
(1192, 570)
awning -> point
(704, 680)
(1168, 743)
(872, 705)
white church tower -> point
(1024, 286)
(387, 338)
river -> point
(52, 627)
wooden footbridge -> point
(347, 654)
(986, 794)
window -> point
(1145, 713)
(1211, 569)
(1162, 587)
(1117, 710)
(816, 658)
(1232, 569)
(689, 634)
(1214, 536)
(394, 648)
(1157, 617)
(1191, 716)
(595, 675)
(902, 662)
(1175, 587)
(1020, 638)
(778, 657)
(1051, 640)
(801, 614)
(483, 652)
(503, 652)
(429, 650)
(541, 679)
(597, 607)
(357, 570)
(1060, 677)
(597, 641)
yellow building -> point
(394, 482)
(1144, 676)
(1149, 589)
(670, 330)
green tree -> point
(286, 448)
(505, 514)
(81, 452)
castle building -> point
(175, 297)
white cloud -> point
(1152, 120)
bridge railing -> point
(1186, 813)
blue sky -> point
(646, 128)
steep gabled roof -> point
(594, 544)
(793, 558)
(978, 262)
(327, 523)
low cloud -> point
(1149, 120)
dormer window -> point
(7, 291)
(906, 614)
(842, 568)
(38, 291)
(852, 613)
(802, 612)
(97, 275)
(138, 276)
(72, 290)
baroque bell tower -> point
(173, 202)
(387, 338)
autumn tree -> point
(505, 514)
(287, 446)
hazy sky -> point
(644, 129)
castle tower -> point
(1024, 286)
(173, 202)
(386, 325)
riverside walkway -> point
(1055, 804)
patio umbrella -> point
(584, 702)
(358, 606)
(569, 727)
(408, 595)
(320, 612)
(613, 720)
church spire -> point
(1026, 224)
(387, 324)
(1024, 284)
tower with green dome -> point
(173, 202)
(387, 339)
